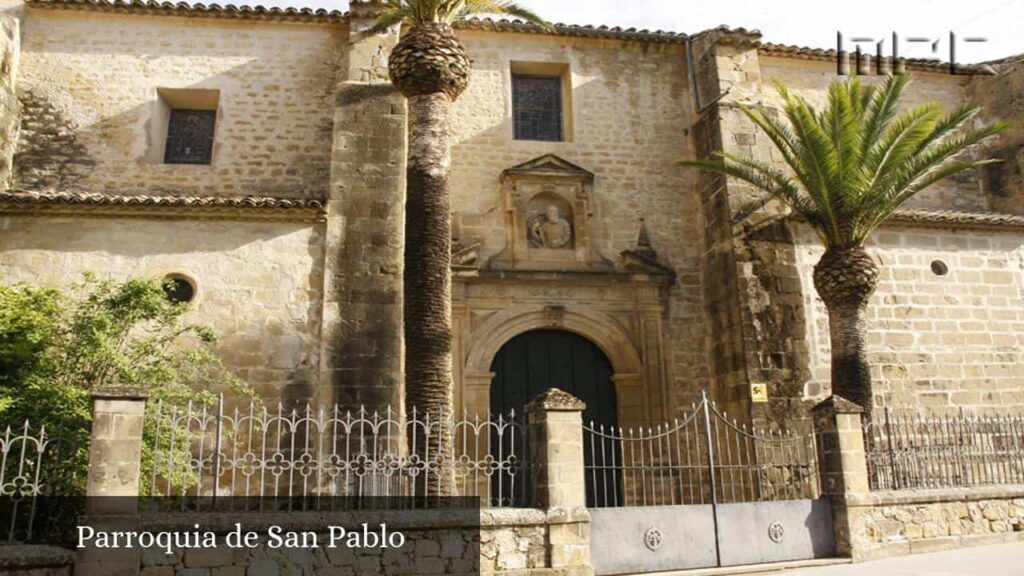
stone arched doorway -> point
(534, 361)
(537, 360)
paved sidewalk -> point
(998, 560)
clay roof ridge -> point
(581, 30)
(93, 198)
(728, 34)
(809, 53)
(197, 9)
(958, 217)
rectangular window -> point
(537, 107)
(190, 136)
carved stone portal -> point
(549, 216)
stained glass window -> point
(537, 107)
(190, 136)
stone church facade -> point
(257, 156)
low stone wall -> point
(31, 560)
(497, 541)
(893, 523)
(535, 541)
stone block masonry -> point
(361, 358)
(945, 326)
(10, 108)
(897, 523)
(99, 75)
(258, 283)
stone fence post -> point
(112, 487)
(115, 450)
(555, 431)
(843, 461)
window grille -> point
(537, 107)
(190, 136)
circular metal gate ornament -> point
(653, 538)
(776, 531)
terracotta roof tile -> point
(829, 55)
(212, 10)
(225, 207)
(958, 219)
(258, 12)
(611, 32)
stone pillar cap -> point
(556, 400)
(121, 392)
(838, 405)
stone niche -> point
(549, 218)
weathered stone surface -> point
(933, 520)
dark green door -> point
(535, 361)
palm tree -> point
(431, 68)
(851, 166)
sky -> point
(804, 22)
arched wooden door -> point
(535, 361)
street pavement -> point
(997, 560)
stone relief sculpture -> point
(550, 230)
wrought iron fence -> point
(36, 470)
(704, 458)
(300, 456)
(913, 451)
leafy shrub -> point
(58, 344)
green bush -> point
(57, 344)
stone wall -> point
(35, 560)
(435, 543)
(258, 284)
(1000, 98)
(751, 292)
(10, 108)
(361, 363)
(776, 336)
(935, 342)
(90, 84)
(897, 523)
(499, 541)
(810, 79)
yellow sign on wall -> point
(759, 392)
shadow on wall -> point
(266, 143)
(258, 283)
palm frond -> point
(500, 7)
(855, 161)
(448, 11)
(881, 108)
(394, 12)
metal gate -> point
(703, 491)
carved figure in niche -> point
(550, 230)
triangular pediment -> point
(548, 165)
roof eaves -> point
(612, 33)
(152, 7)
(43, 203)
(829, 55)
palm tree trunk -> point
(427, 282)
(845, 279)
(851, 374)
